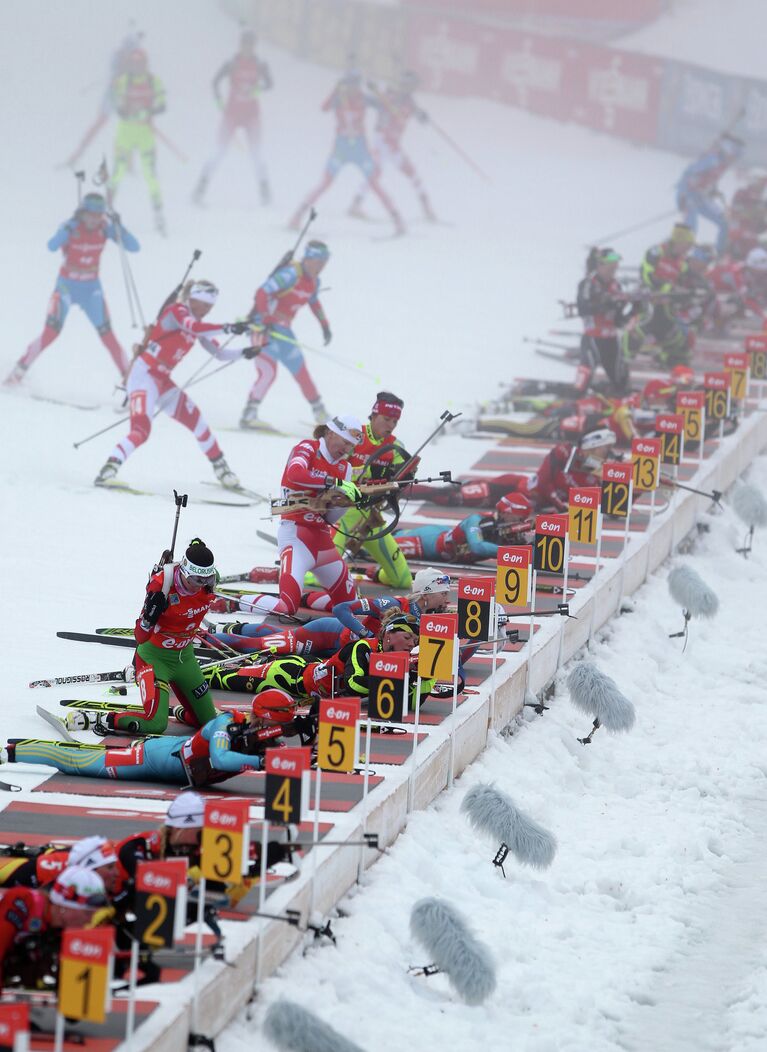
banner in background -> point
(655, 101)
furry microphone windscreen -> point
(454, 949)
(293, 1029)
(493, 812)
(596, 694)
(750, 506)
(691, 592)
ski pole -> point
(446, 418)
(169, 143)
(636, 226)
(131, 292)
(292, 251)
(80, 177)
(461, 153)
(180, 500)
(124, 419)
(549, 343)
(325, 354)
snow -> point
(659, 830)
(648, 930)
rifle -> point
(170, 298)
(373, 495)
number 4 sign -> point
(286, 796)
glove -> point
(327, 335)
(224, 606)
(237, 328)
(155, 605)
(251, 352)
(503, 618)
(349, 490)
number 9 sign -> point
(513, 578)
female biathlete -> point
(305, 538)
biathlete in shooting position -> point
(378, 433)
(395, 108)
(564, 467)
(474, 538)
(349, 103)
(81, 240)
(275, 306)
(227, 745)
(305, 537)
(346, 671)
(322, 636)
(248, 76)
(151, 389)
(178, 597)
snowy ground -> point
(648, 930)
(659, 832)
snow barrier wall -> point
(225, 990)
(648, 100)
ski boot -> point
(319, 412)
(107, 473)
(428, 211)
(198, 195)
(15, 376)
(178, 712)
(224, 473)
(356, 211)
(159, 221)
(249, 419)
(80, 720)
(266, 192)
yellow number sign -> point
(85, 971)
(437, 646)
(338, 734)
(645, 463)
(225, 845)
(513, 579)
(584, 515)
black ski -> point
(123, 641)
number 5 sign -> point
(85, 973)
(338, 734)
(225, 846)
(437, 652)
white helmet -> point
(347, 427)
(757, 259)
(187, 811)
(598, 439)
(430, 582)
(202, 291)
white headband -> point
(203, 293)
(192, 570)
